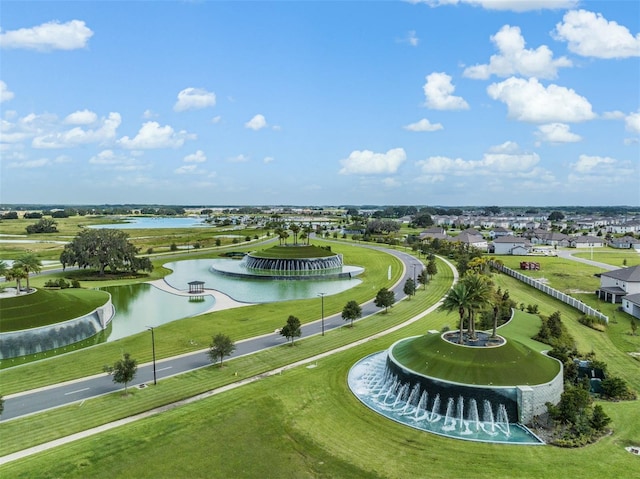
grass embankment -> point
(192, 334)
(46, 307)
(614, 257)
(293, 252)
(563, 274)
(511, 364)
(39, 428)
(306, 423)
(604, 344)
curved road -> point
(39, 400)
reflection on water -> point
(251, 290)
(141, 305)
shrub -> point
(173, 247)
(593, 322)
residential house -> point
(499, 231)
(631, 305)
(624, 228)
(626, 242)
(514, 245)
(476, 241)
(550, 238)
(586, 242)
(620, 283)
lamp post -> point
(153, 349)
(322, 302)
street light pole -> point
(322, 300)
(153, 349)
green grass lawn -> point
(293, 252)
(513, 363)
(614, 257)
(191, 334)
(306, 423)
(562, 274)
(38, 428)
(46, 307)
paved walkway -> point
(569, 255)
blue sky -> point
(439, 102)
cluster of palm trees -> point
(283, 233)
(472, 294)
(21, 269)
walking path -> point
(226, 302)
(569, 255)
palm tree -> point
(457, 299)
(3, 268)
(479, 288)
(16, 273)
(30, 263)
(295, 229)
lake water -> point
(155, 222)
(141, 305)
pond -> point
(141, 305)
(155, 222)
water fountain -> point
(289, 262)
(463, 411)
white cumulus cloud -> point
(515, 59)
(152, 135)
(48, 36)
(197, 157)
(256, 123)
(5, 94)
(104, 132)
(591, 35)
(438, 91)
(632, 122)
(530, 101)
(194, 99)
(513, 5)
(557, 133)
(424, 125)
(367, 162)
(587, 164)
(83, 117)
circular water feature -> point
(453, 415)
(252, 288)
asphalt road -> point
(39, 400)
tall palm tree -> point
(457, 299)
(479, 287)
(295, 229)
(30, 263)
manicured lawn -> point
(605, 345)
(45, 307)
(510, 364)
(192, 334)
(615, 257)
(306, 423)
(32, 430)
(293, 252)
(562, 274)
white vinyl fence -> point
(565, 298)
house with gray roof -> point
(631, 305)
(618, 284)
(586, 242)
(514, 245)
